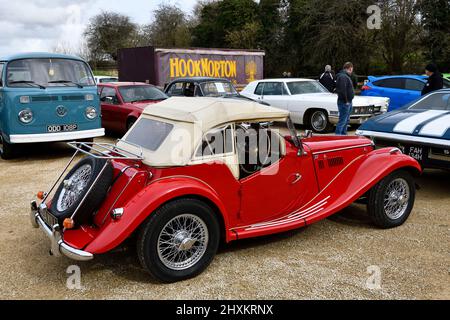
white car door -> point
(307, 94)
(273, 93)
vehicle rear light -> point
(365, 88)
(41, 195)
(68, 224)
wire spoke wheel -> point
(73, 187)
(396, 198)
(182, 242)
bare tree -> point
(400, 32)
(63, 47)
(81, 50)
(107, 32)
(170, 28)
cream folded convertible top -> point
(212, 112)
(191, 118)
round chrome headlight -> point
(26, 116)
(91, 113)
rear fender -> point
(143, 204)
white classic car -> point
(105, 79)
(310, 103)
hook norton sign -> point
(239, 66)
(204, 67)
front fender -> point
(143, 204)
(359, 177)
(355, 180)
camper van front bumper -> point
(53, 137)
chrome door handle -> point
(298, 177)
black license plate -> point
(415, 152)
(62, 128)
(48, 218)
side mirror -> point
(112, 100)
(109, 100)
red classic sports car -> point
(123, 102)
(196, 171)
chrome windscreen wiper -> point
(30, 83)
(67, 81)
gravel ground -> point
(328, 260)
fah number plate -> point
(415, 152)
(62, 128)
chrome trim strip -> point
(404, 138)
(439, 157)
(343, 149)
(293, 217)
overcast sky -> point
(40, 25)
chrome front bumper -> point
(54, 137)
(354, 119)
(58, 246)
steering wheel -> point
(252, 152)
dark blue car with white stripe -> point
(420, 129)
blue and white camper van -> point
(44, 98)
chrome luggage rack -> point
(107, 150)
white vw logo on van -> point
(61, 111)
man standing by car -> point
(346, 93)
(435, 80)
(328, 79)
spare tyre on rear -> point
(76, 185)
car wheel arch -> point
(309, 111)
(217, 212)
(143, 207)
(307, 119)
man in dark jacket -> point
(328, 79)
(346, 93)
(435, 80)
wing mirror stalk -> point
(297, 142)
(308, 134)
